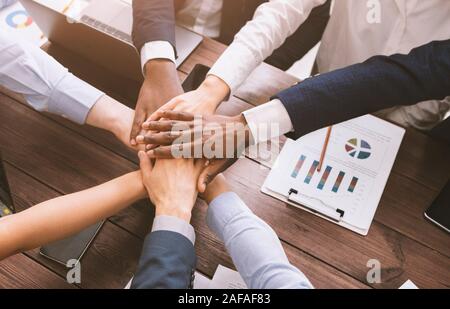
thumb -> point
(211, 171)
(168, 106)
(145, 163)
(139, 118)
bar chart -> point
(321, 179)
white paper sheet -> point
(408, 285)
(226, 278)
(15, 21)
(356, 167)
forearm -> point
(364, 88)
(162, 75)
(63, 216)
(272, 23)
(45, 84)
(109, 114)
(253, 245)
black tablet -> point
(439, 211)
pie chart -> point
(19, 19)
(358, 148)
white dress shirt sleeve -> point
(253, 245)
(156, 50)
(272, 23)
(267, 121)
(174, 224)
(46, 85)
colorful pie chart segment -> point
(358, 148)
(19, 19)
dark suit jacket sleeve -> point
(378, 83)
(153, 20)
(167, 262)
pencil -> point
(324, 149)
(67, 7)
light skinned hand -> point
(171, 184)
(217, 187)
(202, 101)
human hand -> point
(183, 135)
(220, 139)
(217, 187)
(171, 184)
(161, 84)
(203, 101)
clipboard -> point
(347, 192)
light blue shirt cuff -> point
(174, 224)
(222, 209)
(73, 98)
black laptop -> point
(6, 202)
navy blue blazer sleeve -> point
(153, 20)
(167, 262)
(378, 83)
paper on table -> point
(226, 278)
(201, 282)
(408, 285)
(356, 167)
(15, 21)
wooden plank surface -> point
(43, 150)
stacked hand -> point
(171, 184)
(186, 128)
(161, 84)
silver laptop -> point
(102, 33)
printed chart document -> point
(15, 21)
(355, 170)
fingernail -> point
(151, 153)
(133, 142)
(175, 133)
(140, 139)
(145, 125)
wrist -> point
(217, 187)
(139, 189)
(242, 126)
(215, 89)
(110, 115)
(174, 209)
(160, 68)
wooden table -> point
(47, 156)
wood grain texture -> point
(21, 272)
(49, 156)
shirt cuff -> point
(235, 65)
(222, 210)
(268, 120)
(73, 98)
(156, 50)
(174, 224)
